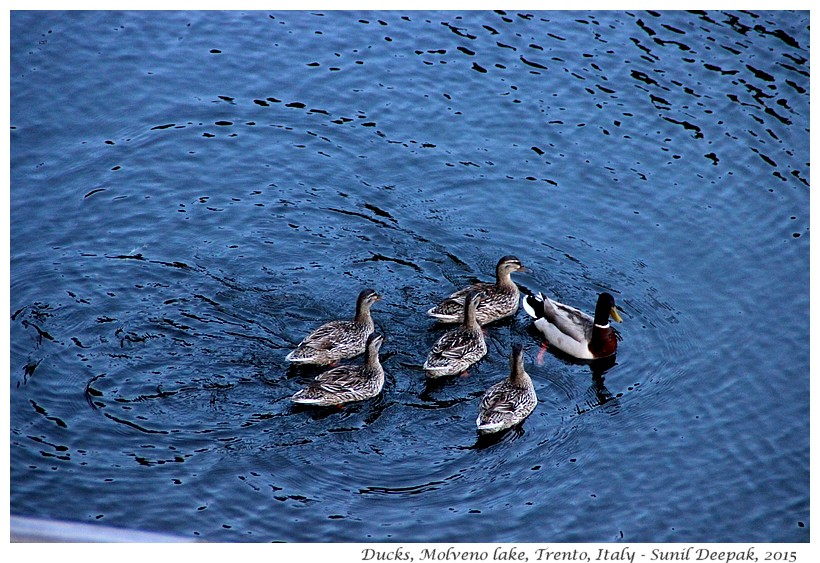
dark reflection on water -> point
(196, 200)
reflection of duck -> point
(460, 347)
(573, 331)
(344, 384)
(598, 388)
(510, 401)
(500, 299)
(340, 339)
(597, 394)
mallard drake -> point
(500, 299)
(340, 339)
(509, 401)
(573, 331)
(344, 384)
(458, 348)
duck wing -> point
(334, 387)
(569, 320)
(339, 379)
(499, 399)
(453, 306)
(456, 343)
(327, 336)
(459, 295)
(502, 406)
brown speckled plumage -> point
(459, 348)
(500, 299)
(338, 340)
(345, 384)
(509, 401)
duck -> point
(572, 331)
(347, 383)
(458, 348)
(340, 339)
(509, 401)
(500, 299)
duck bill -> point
(613, 312)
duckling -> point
(344, 384)
(573, 331)
(459, 348)
(500, 299)
(509, 401)
(339, 339)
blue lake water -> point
(193, 192)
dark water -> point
(192, 192)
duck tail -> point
(486, 427)
(298, 356)
(533, 305)
(304, 400)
